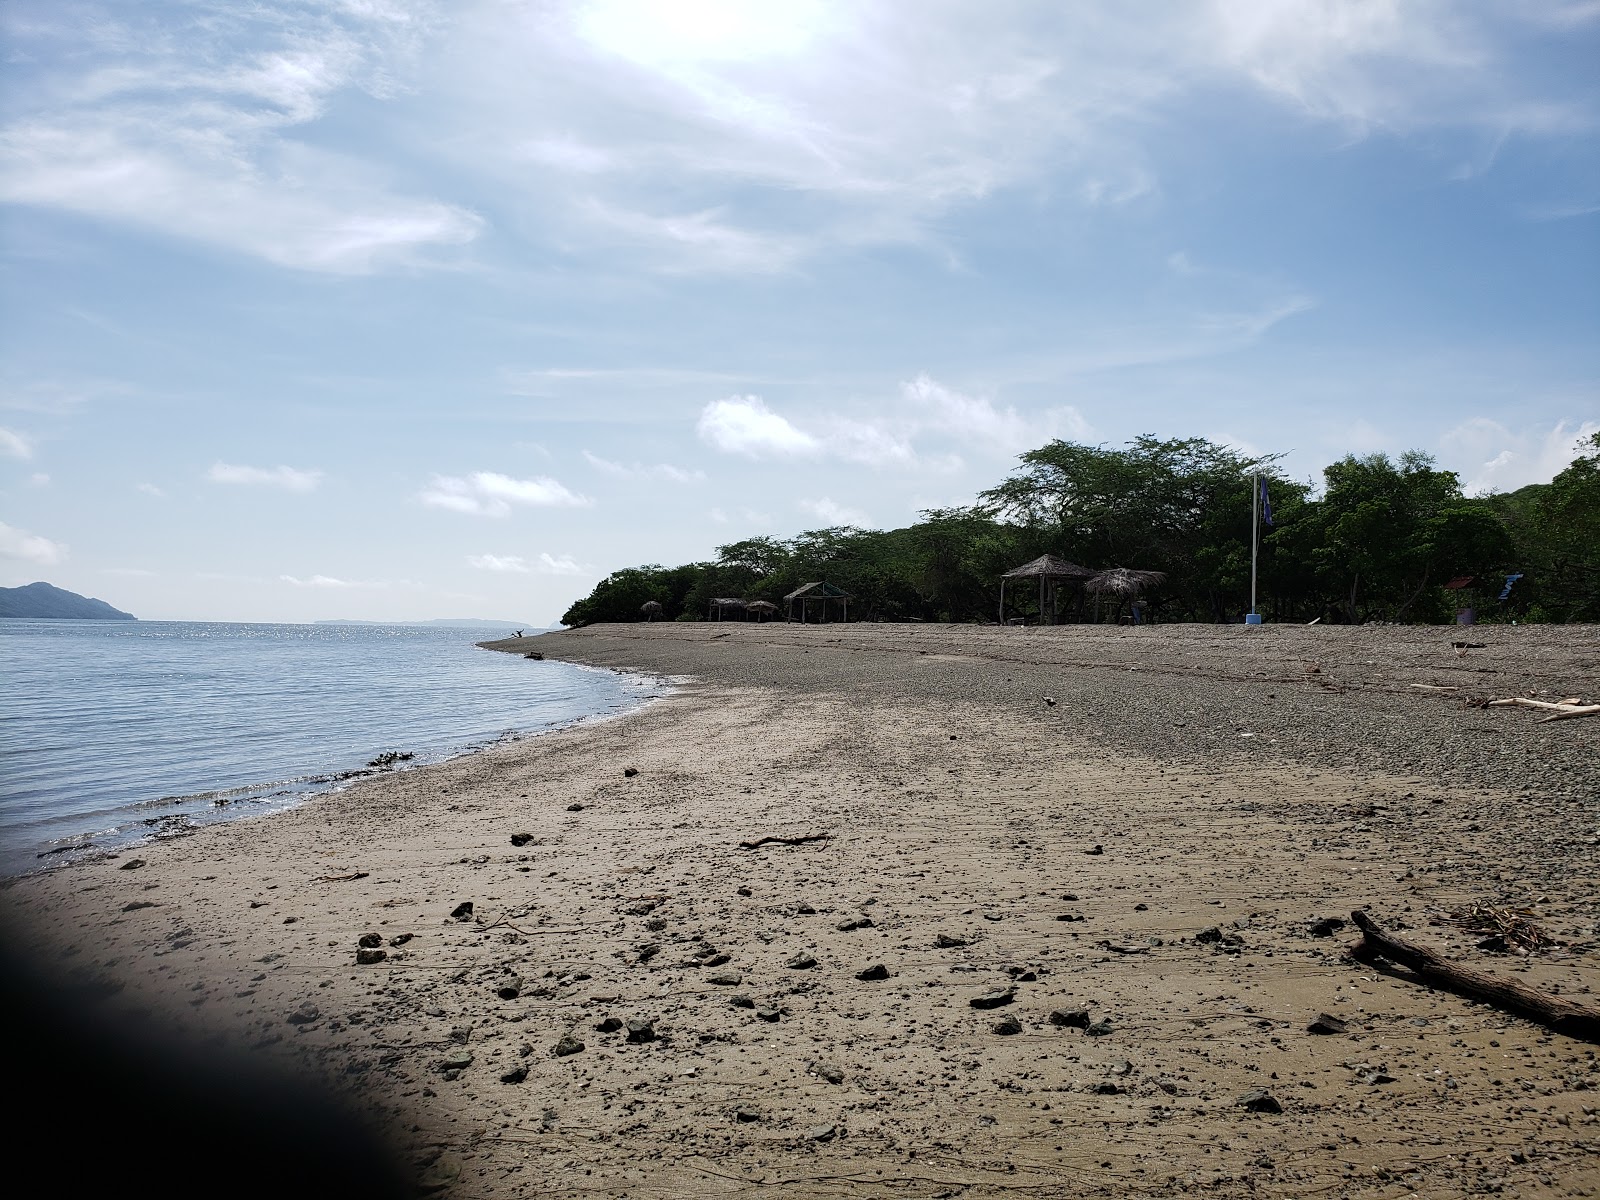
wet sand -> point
(1151, 851)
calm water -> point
(112, 731)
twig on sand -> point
(342, 878)
(1566, 714)
(784, 841)
(1554, 1012)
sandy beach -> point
(1049, 921)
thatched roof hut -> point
(1048, 566)
(807, 593)
(650, 609)
(1049, 570)
(1123, 582)
(724, 603)
(762, 608)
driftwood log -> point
(1556, 1012)
(783, 841)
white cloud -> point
(291, 479)
(39, 479)
(325, 581)
(924, 408)
(1492, 458)
(563, 564)
(488, 494)
(831, 513)
(15, 445)
(498, 562)
(745, 425)
(746, 517)
(150, 489)
(18, 543)
(664, 472)
(188, 130)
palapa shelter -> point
(731, 603)
(1123, 583)
(808, 593)
(650, 609)
(763, 609)
(1050, 571)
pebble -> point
(568, 1045)
(1070, 1018)
(945, 942)
(305, 1014)
(725, 979)
(367, 958)
(521, 839)
(768, 1014)
(874, 972)
(801, 962)
(822, 1133)
(1006, 1026)
(640, 1030)
(1327, 1023)
(746, 1113)
(516, 1075)
(462, 911)
(1100, 1028)
(609, 1025)
(369, 940)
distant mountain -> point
(444, 623)
(42, 601)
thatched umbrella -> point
(762, 608)
(651, 609)
(1050, 571)
(1122, 582)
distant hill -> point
(45, 602)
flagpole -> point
(1255, 535)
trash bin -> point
(1466, 616)
(1252, 618)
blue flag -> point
(1266, 505)
(1510, 579)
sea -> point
(117, 732)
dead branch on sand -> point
(1554, 1012)
(783, 841)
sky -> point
(401, 310)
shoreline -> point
(960, 812)
(181, 816)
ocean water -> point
(112, 732)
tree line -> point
(1379, 542)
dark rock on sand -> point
(521, 839)
(725, 979)
(609, 1025)
(1259, 1100)
(133, 864)
(1070, 1018)
(746, 1113)
(1006, 1026)
(367, 958)
(640, 1030)
(770, 1015)
(945, 942)
(516, 1075)
(567, 1045)
(801, 962)
(305, 1014)
(1326, 927)
(1100, 1028)
(822, 1133)
(1208, 935)
(1327, 1023)
(994, 999)
(629, 772)
(369, 940)
(510, 989)
(462, 911)
(874, 972)
(741, 1001)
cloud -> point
(663, 472)
(498, 562)
(39, 479)
(189, 130)
(291, 479)
(15, 445)
(747, 517)
(18, 543)
(834, 514)
(129, 572)
(327, 581)
(487, 494)
(1492, 458)
(745, 425)
(924, 408)
(562, 564)
(150, 489)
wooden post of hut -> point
(821, 592)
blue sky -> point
(373, 308)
